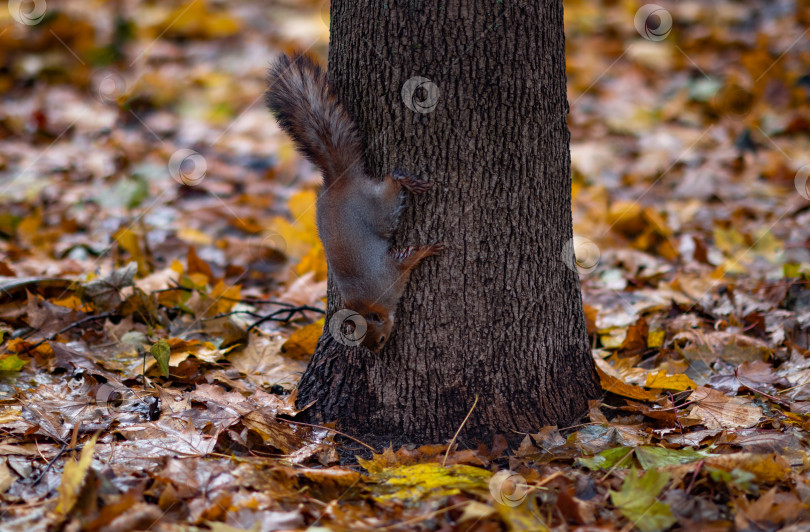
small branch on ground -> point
(290, 312)
(73, 325)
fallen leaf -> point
(302, 342)
(161, 351)
(638, 501)
(768, 468)
(716, 410)
(73, 478)
(672, 382)
(615, 385)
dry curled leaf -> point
(716, 410)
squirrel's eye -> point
(382, 340)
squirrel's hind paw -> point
(410, 256)
(412, 183)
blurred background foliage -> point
(685, 147)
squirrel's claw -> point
(410, 256)
(414, 184)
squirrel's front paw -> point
(414, 184)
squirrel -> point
(356, 214)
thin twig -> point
(142, 352)
(677, 421)
(62, 451)
(232, 313)
(367, 446)
(290, 311)
(777, 400)
(694, 476)
(256, 301)
(69, 327)
(617, 464)
(270, 317)
(459, 430)
(250, 300)
(676, 408)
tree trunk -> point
(498, 314)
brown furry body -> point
(357, 214)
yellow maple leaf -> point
(302, 342)
(655, 338)
(313, 261)
(71, 301)
(765, 467)
(73, 478)
(177, 267)
(29, 226)
(614, 385)
(195, 20)
(131, 241)
(299, 237)
(301, 232)
(678, 382)
(223, 297)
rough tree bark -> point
(499, 314)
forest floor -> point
(152, 213)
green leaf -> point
(638, 501)
(607, 458)
(791, 269)
(127, 192)
(161, 351)
(411, 483)
(737, 478)
(11, 363)
(654, 457)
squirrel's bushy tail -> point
(300, 98)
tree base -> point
(336, 387)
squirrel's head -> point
(378, 325)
